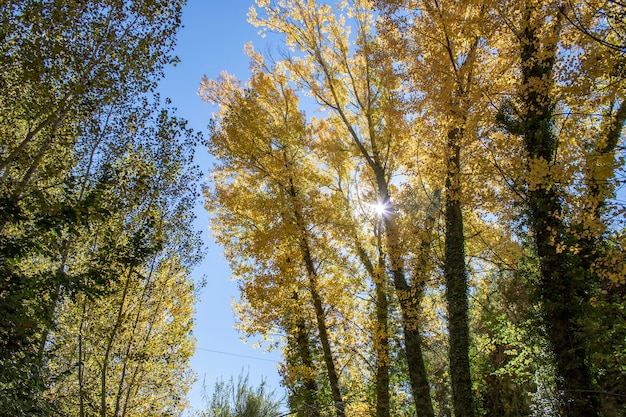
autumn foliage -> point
(421, 202)
(96, 185)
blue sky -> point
(211, 41)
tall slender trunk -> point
(333, 377)
(381, 340)
(381, 325)
(409, 297)
(456, 283)
(81, 361)
(320, 315)
(109, 346)
(381, 345)
(307, 400)
(418, 376)
(561, 278)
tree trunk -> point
(109, 346)
(456, 284)
(409, 298)
(561, 276)
(381, 346)
(381, 325)
(333, 377)
(320, 315)
(306, 395)
(81, 361)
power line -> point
(235, 354)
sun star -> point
(380, 208)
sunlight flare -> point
(381, 208)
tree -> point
(127, 353)
(68, 66)
(438, 45)
(241, 400)
(274, 249)
(555, 79)
(107, 347)
(352, 77)
(53, 81)
(471, 131)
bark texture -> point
(456, 284)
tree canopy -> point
(422, 204)
(96, 237)
(442, 232)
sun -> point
(381, 208)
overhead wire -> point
(238, 355)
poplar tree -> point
(352, 77)
(559, 95)
(69, 69)
(461, 153)
(277, 250)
